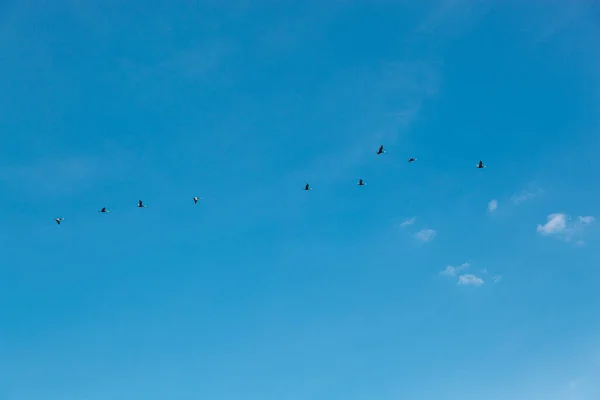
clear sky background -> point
(436, 280)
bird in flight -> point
(196, 199)
(104, 210)
(141, 204)
(480, 165)
(381, 150)
(58, 220)
(307, 187)
(412, 159)
(361, 182)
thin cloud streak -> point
(408, 222)
(525, 195)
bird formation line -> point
(140, 204)
(382, 151)
(361, 182)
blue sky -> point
(435, 281)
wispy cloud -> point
(454, 17)
(197, 64)
(393, 92)
(563, 226)
(451, 270)
(426, 235)
(60, 176)
(470, 279)
(408, 222)
(493, 205)
(522, 197)
(525, 195)
(497, 278)
(555, 19)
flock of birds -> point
(105, 210)
(381, 151)
(361, 182)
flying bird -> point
(412, 159)
(307, 187)
(104, 210)
(196, 199)
(141, 204)
(480, 165)
(58, 220)
(381, 150)
(361, 182)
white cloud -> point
(526, 195)
(426, 235)
(408, 222)
(522, 197)
(493, 205)
(466, 279)
(563, 226)
(556, 223)
(452, 270)
(470, 279)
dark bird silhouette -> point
(307, 187)
(480, 165)
(196, 199)
(58, 220)
(412, 159)
(104, 210)
(361, 182)
(141, 204)
(381, 150)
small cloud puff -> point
(556, 223)
(426, 235)
(470, 279)
(466, 279)
(563, 226)
(493, 205)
